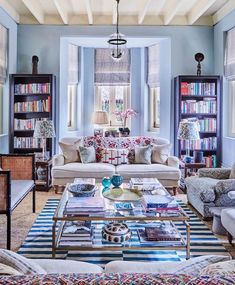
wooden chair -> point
(17, 179)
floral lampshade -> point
(188, 130)
(44, 129)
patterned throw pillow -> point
(131, 156)
(70, 151)
(143, 154)
(115, 156)
(160, 153)
(20, 263)
(87, 154)
(220, 268)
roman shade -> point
(3, 53)
(110, 72)
(229, 64)
(72, 64)
(154, 66)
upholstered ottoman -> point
(228, 222)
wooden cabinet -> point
(32, 98)
(199, 98)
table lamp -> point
(99, 118)
(188, 130)
(44, 130)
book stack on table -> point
(84, 206)
(76, 234)
(145, 183)
(159, 203)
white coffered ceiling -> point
(132, 12)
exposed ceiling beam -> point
(89, 12)
(35, 9)
(227, 8)
(114, 15)
(199, 9)
(142, 13)
(172, 12)
(10, 10)
(61, 10)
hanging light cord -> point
(117, 18)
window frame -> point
(72, 107)
(231, 108)
(154, 100)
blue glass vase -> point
(117, 180)
(106, 182)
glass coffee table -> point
(135, 218)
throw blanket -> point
(116, 279)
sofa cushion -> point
(68, 266)
(70, 151)
(143, 154)
(115, 156)
(87, 154)
(20, 263)
(192, 266)
(232, 173)
(159, 171)
(219, 268)
(19, 188)
(160, 153)
(83, 170)
(228, 219)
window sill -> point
(229, 138)
(3, 135)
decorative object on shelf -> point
(199, 58)
(188, 130)
(44, 130)
(117, 180)
(117, 42)
(41, 173)
(35, 61)
(99, 118)
(116, 232)
(106, 182)
(82, 190)
(123, 117)
(198, 156)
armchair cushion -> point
(232, 174)
(19, 189)
(216, 173)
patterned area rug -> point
(39, 240)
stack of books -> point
(145, 183)
(84, 206)
(163, 235)
(159, 203)
(79, 234)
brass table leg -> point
(188, 240)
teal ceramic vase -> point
(106, 182)
(117, 180)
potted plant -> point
(123, 116)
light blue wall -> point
(44, 41)
(228, 144)
(6, 21)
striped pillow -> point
(115, 156)
(20, 263)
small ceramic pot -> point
(116, 232)
(117, 180)
(106, 182)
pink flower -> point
(125, 115)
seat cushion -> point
(228, 220)
(67, 266)
(19, 188)
(83, 170)
(159, 171)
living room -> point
(66, 40)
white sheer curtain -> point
(154, 66)
(109, 72)
(231, 117)
(72, 64)
(3, 53)
(229, 64)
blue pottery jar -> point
(117, 180)
(106, 182)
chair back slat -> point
(4, 190)
(21, 167)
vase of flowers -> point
(123, 117)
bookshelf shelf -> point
(199, 98)
(32, 98)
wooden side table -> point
(193, 167)
(43, 175)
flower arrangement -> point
(125, 115)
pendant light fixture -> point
(117, 43)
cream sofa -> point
(168, 174)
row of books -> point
(210, 161)
(193, 106)
(28, 124)
(207, 125)
(33, 106)
(205, 143)
(35, 88)
(27, 142)
(197, 88)
(76, 234)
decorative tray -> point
(122, 194)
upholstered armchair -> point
(210, 188)
(16, 181)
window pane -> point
(72, 105)
(231, 113)
(154, 104)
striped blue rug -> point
(39, 240)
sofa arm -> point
(173, 161)
(58, 160)
(216, 173)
